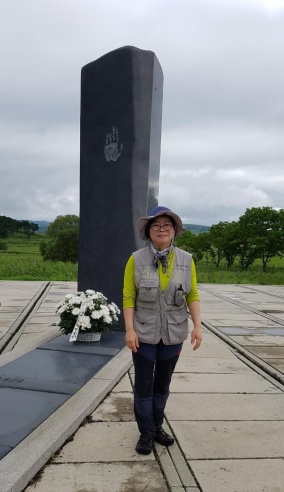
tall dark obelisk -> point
(121, 117)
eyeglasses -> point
(157, 227)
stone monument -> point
(121, 117)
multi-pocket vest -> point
(161, 314)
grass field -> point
(22, 261)
(208, 273)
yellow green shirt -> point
(129, 288)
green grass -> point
(208, 273)
(23, 261)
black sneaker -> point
(162, 437)
(144, 444)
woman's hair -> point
(148, 225)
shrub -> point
(61, 243)
(3, 246)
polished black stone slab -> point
(23, 411)
(110, 343)
(121, 117)
(4, 450)
(82, 348)
(33, 386)
(48, 370)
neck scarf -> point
(161, 256)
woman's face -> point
(162, 232)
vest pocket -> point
(177, 325)
(175, 295)
(145, 329)
(148, 290)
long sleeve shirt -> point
(129, 289)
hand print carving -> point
(112, 148)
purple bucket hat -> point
(155, 212)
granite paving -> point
(226, 414)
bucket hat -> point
(155, 212)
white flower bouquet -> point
(88, 312)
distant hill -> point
(196, 229)
(42, 224)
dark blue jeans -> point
(154, 366)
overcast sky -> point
(223, 108)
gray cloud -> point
(223, 112)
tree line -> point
(9, 226)
(258, 234)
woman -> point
(159, 286)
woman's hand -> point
(131, 340)
(196, 334)
(196, 337)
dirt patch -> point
(149, 478)
(116, 407)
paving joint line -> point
(245, 306)
(183, 470)
(262, 292)
(168, 461)
(167, 468)
(267, 371)
(17, 327)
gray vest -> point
(161, 315)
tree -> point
(203, 244)
(186, 242)
(197, 245)
(3, 230)
(29, 228)
(247, 254)
(263, 228)
(61, 243)
(8, 226)
(216, 235)
(231, 242)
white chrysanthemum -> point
(84, 322)
(89, 305)
(95, 296)
(101, 296)
(107, 319)
(75, 300)
(105, 309)
(75, 311)
(97, 314)
(113, 308)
